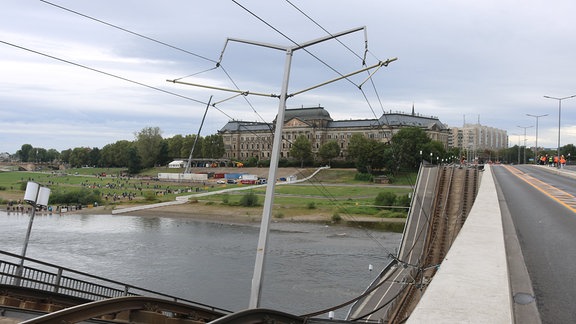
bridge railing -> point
(47, 277)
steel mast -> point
(275, 157)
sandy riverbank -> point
(218, 213)
(202, 211)
(238, 215)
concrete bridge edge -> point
(478, 276)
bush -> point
(249, 199)
(2, 188)
(311, 205)
(403, 201)
(336, 218)
(364, 177)
(149, 196)
(385, 198)
(392, 214)
(81, 196)
(226, 199)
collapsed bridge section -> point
(441, 202)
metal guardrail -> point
(161, 308)
(47, 277)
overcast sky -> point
(463, 61)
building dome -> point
(306, 114)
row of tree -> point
(370, 155)
(149, 149)
(406, 150)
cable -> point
(194, 54)
(293, 41)
(322, 189)
(193, 74)
(100, 71)
(162, 43)
(324, 29)
(128, 31)
(246, 99)
(363, 59)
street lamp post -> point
(37, 196)
(536, 151)
(559, 114)
(523, 160)
(421, 157)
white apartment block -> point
(476, 137)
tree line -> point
(404, 152)
(148, 149)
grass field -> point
(331, 191)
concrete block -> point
(147, 317)
(51, 307)
(9, 301)
(123, 316)
(29, 304)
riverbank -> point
(243, 215)
(251, 215)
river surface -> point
(309, 267)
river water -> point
(309, 267)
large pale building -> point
(476, 137)
(243, 139)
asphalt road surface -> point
(543, 209)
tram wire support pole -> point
(275, 156)
(536, 159)
(524, 147)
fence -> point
(52, 278)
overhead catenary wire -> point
(125, 79)
(369, 78)
(328, 32)
(363, 58)
(292, 41)
(186, 51)
(194, 54)
(217, 64)
(99, 71)
(128, 31)
(323, 62)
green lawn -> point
(331, 191)
(13, 184)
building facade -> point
(244, 140)
(478, 137)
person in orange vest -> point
(555, 160)
(562, 161)
(543, 160)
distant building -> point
(476, 137)
(177, 164)
(244, 139)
